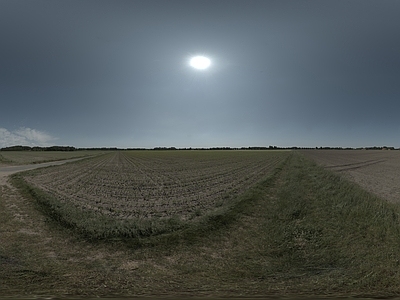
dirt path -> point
(8, 170)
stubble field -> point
(377, 171)
(135, 190)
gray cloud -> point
(25, 137)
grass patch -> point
(4, 160)
(330, 234)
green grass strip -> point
(328, 234)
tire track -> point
(352, 166)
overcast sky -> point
(116, 73)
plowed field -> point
(35, 157)
(377, 171)
(156, 184)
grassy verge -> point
(326, 234)
(304, 230)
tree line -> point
(71, 148)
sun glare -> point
(200, 62)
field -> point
(132, 190)
(267, 223)
(35, 157)
(377, 171)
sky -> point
(117, 74)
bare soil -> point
(377, 171)
(129, 185)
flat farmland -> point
(377, 171)
(154, 185)
(201, 224)
(34, 157)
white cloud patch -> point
(24, 136)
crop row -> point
(127, 185)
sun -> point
(200, 62)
